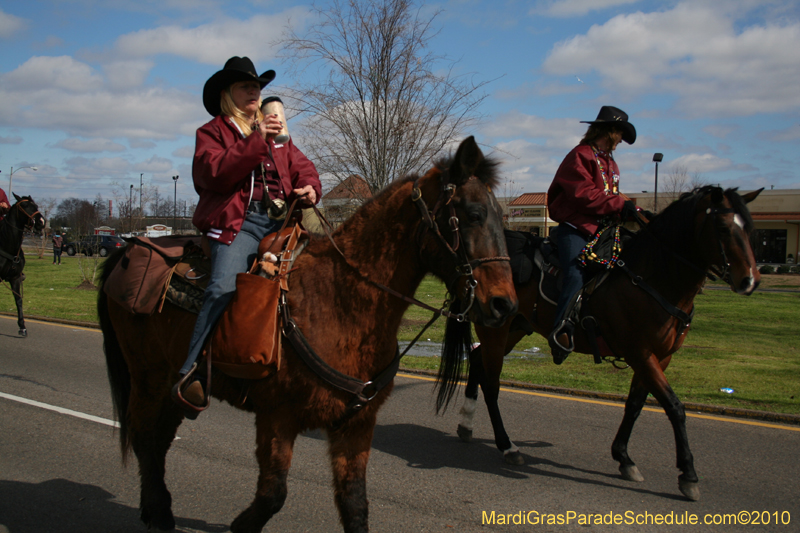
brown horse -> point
(23, 215)
(642, 311)
(446, 222)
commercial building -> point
(776, 214)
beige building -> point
(776, 214)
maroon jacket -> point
(222, 172)
(578, 196)
(3, 198)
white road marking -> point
(61, 410)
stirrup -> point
(560, 351)
(190, 410)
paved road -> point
(61, 472)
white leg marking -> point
(513, 449)
(468, 413)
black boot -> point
(560, 341)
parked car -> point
(101, 245)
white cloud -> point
(123, 75)
(720, 130)
(71, 97)
(213, 43)
(571, 8)
(102, 167)
(90, 146)
(13, 139)
(10, 24)
(184, 152)
(702, 163)
(561, 133)
(692, 51)
(62, 72)
(154, 165)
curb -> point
(750, 414)
(735, 412)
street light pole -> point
(141, 176)
(12, 175)
(130, 212)
(656, 158)
(175, 206)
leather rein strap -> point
(364, 391)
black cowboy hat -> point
(609, 114)
(235, 69)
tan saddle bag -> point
(247, 340)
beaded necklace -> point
(613, 187)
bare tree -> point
(677, 182)
(383, 105)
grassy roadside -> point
(750, 344)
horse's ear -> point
(466, 162)
(749, 197)
(15, 196)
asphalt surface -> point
(60, 470)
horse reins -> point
(682, 316)
(364, 391)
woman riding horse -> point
(240, 173)
(584, 193)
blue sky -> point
(96, 92)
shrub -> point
(784, 269)
(767, 269)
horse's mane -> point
(486, 172)
(674, 226)
(677, 218)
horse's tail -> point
(455, 348)
(119, 376)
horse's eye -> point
(476, 215)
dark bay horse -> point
(446, 222)
(23, 215)
(706, 230)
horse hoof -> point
(631, 473)
(464, 434)
(690, 489)
(23, 333)
(514, 458)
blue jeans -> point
(227, 260)
(570, 242)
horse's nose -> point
(748, 285)
(502, 307)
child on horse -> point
(584, 191)
(241, 174)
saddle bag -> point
(140, 280)
(247, 341)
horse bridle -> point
(464, 266)
(30, 223)
(364, 391)
(713, 271)
(722, 272)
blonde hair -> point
(239, 117)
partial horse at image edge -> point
(23, 215)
